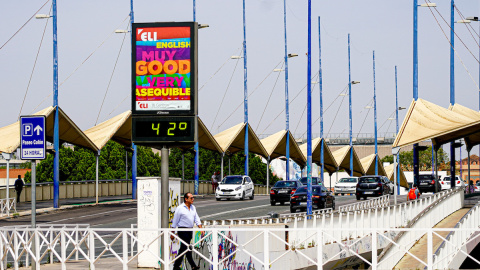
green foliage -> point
(79, 164)
(425, 159)
(210, 162)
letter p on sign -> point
(27, 129)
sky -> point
(94, 62)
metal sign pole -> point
(396, 176)
(34, 207)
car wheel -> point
(293, 210)
(282, 203)
(358, 198)
(343, 194)
(253, 195)
(243, 196)
(228, 199)
(365, 197)
(335, 194)
(218, 199)
(272, 203)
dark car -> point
(282, 190)
(428, 183)
(315, 181)
(372, 186)
(321, 198)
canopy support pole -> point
(436, 170)
(96, 175)
(221, 165)
(468, 180)
(268, 174)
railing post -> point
(125, 249)
(429, 249)
(266, 250)
(215, 248)
(91, 249)
(76, 242)
(15, 248)
(374, 250)
(50, 231)
(63, 249)
(166, 248)
(37, 250)
(319, 249)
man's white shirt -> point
(185, 217)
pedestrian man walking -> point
(185, 217)
(18, 187)
(214, 182)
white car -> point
(346, 185)
(235, 187)
(445, 182)
(477, 187)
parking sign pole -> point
(34, 206)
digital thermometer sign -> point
(157, 129)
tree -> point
(425, 160)
(210, 162)
(79, 164)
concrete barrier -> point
(86, 189)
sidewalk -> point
(25, 208)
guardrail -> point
(213, 248)
(380, 202)
(469, 238)
(449, 202)
(283, 218)
(7, 205)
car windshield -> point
(348, 180)
(282, 184)
(304, 189)
(304, 180)
(368, 180)
(446, 178)
(478, 184)
(232, 180)
(426, 177)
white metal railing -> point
(451, 201)
(214, 248)
(282, 218)
(7, 205)
(447, 255)
(380, 202)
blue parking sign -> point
(32, 137)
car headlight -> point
(218, 188)
(238, 188)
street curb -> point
(64, 207)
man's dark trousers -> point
(18, 195)
(187, 237)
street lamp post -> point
(452, 86)
(350, 108)
(245, 90)
(309, 111)
(320, 81)
(375, 115)
(416, 171)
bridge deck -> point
(420, 248)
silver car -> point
(346, 185)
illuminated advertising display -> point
(164, 68)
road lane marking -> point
(232, 211)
